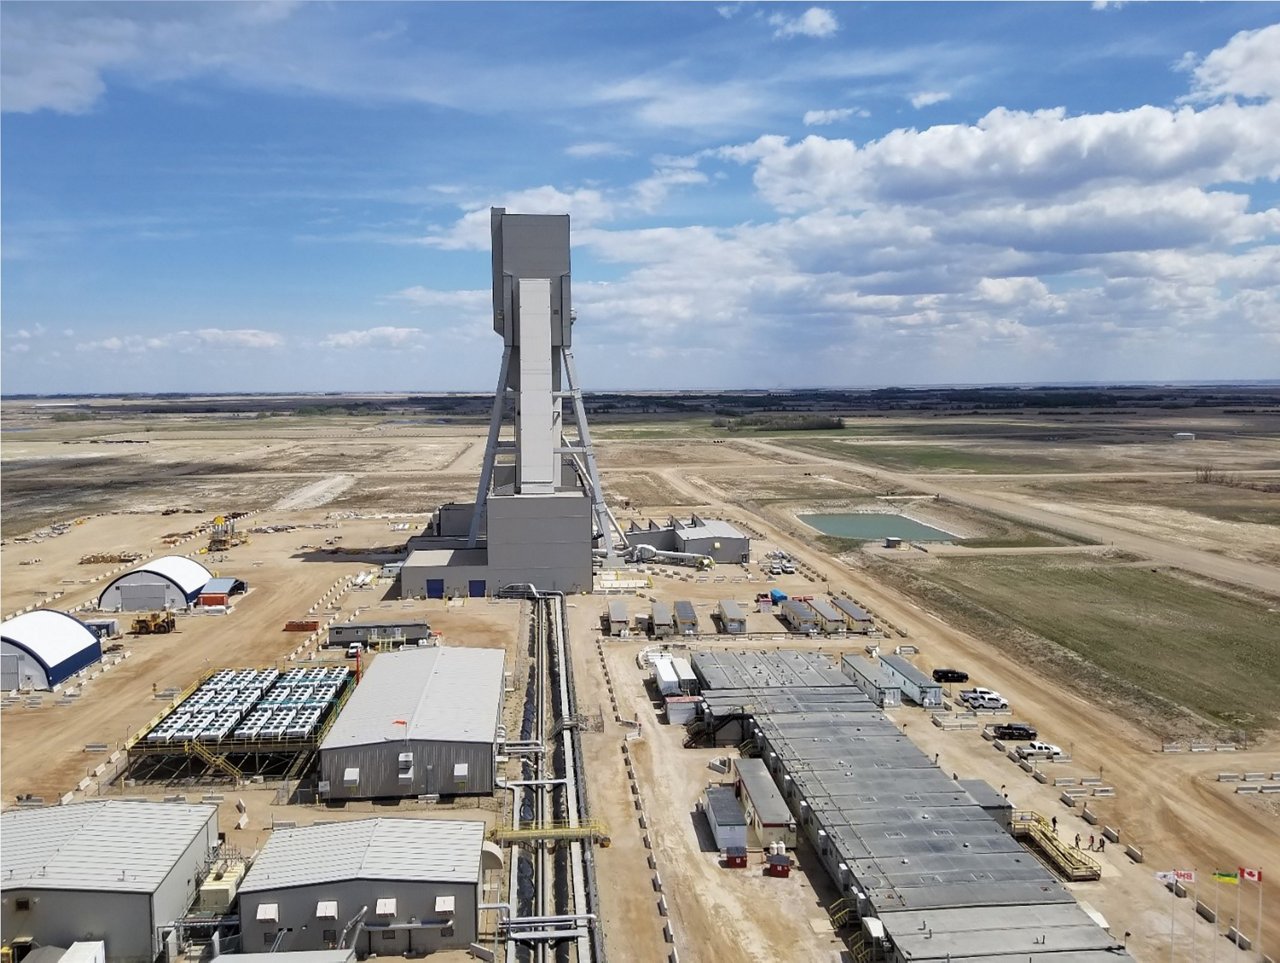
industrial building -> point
(915, 685)
(662, 622)
(708, 538)
(376, 634)
(115, 869)
(220, 591)
(925, 861)
(44, 648)
(768, 818)
(168, 582)
(686, 618)
(421, 722)
(732, 617)
(869, 676)
(856, 619)
(418, 881)
(539, 514)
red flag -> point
(398, 722)
(1253, 875)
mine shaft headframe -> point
(530, 246)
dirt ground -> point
(328, 473)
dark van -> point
(950, 675)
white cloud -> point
(384, 338)
(596, 148)
(927, 98)
(1107, 4)
(814, 22)
(821, 118)
(425, 298)
(186, 342)
(1248, 66)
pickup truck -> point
(977, 692)
(1039, 750)
(980, 698)
(1014, 731)
(950, 675)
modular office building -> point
(915, 685)
(417, 881)
(115, 869)
(421, 722)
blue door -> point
(435, 588)
(475, 588)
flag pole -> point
(1217, 926)
(1195, 896)
(1238, 930)
(1173, 903)
(1258, 945)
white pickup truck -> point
(1039, 750)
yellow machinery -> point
(224, 536)
(154, 623)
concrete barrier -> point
(1239, 939)
(657, 883)
(998, 745)
(1244, 788)
(66, 798)
(1134, 853)
(1255, 777)
(1090, 817)
(1206, 912)
(1112, 833)
(1107, 791)
(1040, 776)
(1066, 781)
(83, 784)
(1228, 777)
(667, 935)
(1068, 800)
(1026, 765)
(662, 906)
(1014, 756)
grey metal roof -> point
(870, 670)
(709, 528)
(109, 846)
(662, 613)
(984, 794)
(800, 610)
(758, 784)
(764, 670)
(908, 671)
(618, 611)
(219, 586)
(730, 609)
(443, 694)
(685, 612)
(825, 609)
(984, 933)
(853, 611)
(405, 850)
(724, 804)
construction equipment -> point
(110, 558)
(223, 535)
(154, 623)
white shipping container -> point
(664, 674)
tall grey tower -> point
(539, 515)
(533, 312)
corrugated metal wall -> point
(433, 767)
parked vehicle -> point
(354, 650)
(1039, 750)
(989, 702)
(950, 675)
(788, 568)
(978, 692)
(1014, 731)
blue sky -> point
(279, 196)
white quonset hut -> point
(40, 649)
(419, 878)
(168, 582)
(111, 868)
(422, 721)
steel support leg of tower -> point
(490, 448)
(604, 518)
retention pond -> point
(871, 526)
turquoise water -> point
(874, 525)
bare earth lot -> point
(1157, 596)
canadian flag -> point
(1253, 875)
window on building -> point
(330, 937)
(22, 903)
(268, 939)
(388, 934)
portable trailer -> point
(661, 622)
(830, 619)
(856, 619)
(618, 617)
(686, 619)
(871, 678)
(733, 618)
(915, 685)
(799, 617)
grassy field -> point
(1146, 641)
(1214, 501)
